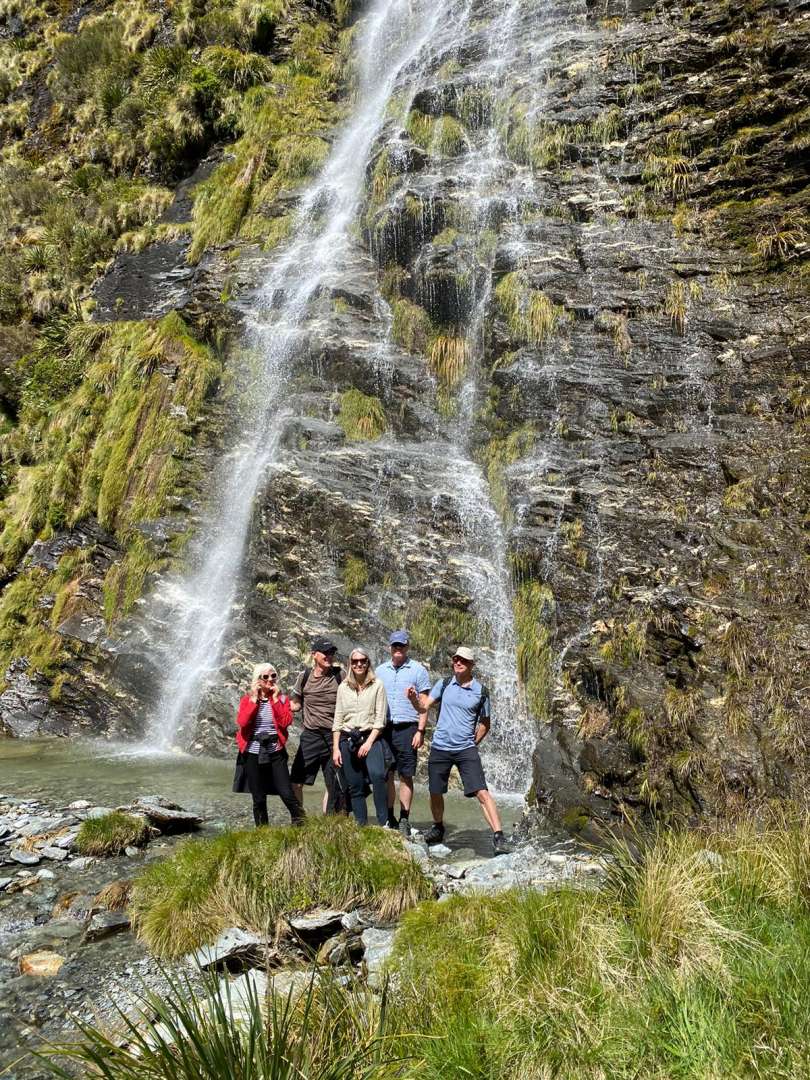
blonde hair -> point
(370, 676)
(259, 669)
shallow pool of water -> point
(61, 770)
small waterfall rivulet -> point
(406, 52)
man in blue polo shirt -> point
(405, 731)
(464, 720)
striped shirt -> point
(265, 725)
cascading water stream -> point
(393, 34)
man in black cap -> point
(315, 694)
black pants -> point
(359, 773)
(272, 778)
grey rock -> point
(80, 804)
(106, 923)
(5, 882)
(132, 851)
(377, 946)
(439, 851)
(166, 816)
(53, 852)
(45, 875)
(98, 812)
(38, 825)
(353, 921)
(25, 858)
(82, 862)
(232, 945)
(317, 922)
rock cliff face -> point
(553, 400)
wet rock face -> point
(554, 281)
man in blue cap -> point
(405, 731)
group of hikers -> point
(362, 731)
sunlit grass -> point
(111, 833)
(250, 879)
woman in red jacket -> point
(261, 733)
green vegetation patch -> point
(361, 416)
(355, 575)
(251, 878)
(690, 961)
(534, 606)
(441, 624)
(529, 313)
(111, 833)
(498, 454)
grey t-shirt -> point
(319, 697)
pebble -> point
(45, 875)
(132, 851)
(81, 863)
(5, 882)
(439, 851)
(43, 964)
(557, 860)
(80, 804)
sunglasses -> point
(271, 678)
(359, 662)
(460, 660)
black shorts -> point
(314, 753)
(399, 737)
(468, 763)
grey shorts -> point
(468, 763)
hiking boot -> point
(500, 845)
(404, 827)
(435, 833)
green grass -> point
(355, 575)
(110, 834)
(683, 965)
(434, 626)
(328, 1033)
(690, 961)
(250, 879)
(529, 313)
(361, 416)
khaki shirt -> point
(318, 700)
(362, 709)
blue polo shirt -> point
(455, 729)
(396, 680)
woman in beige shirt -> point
(360, 712)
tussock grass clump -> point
(529, 313)
(251, 878)
(361, 416)
(188, 1033)
(447, 357)
(110, 834)
(690, 961)
(355, 575)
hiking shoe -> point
(404, 827)
(500, 845)
(435, 834)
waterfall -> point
(403, 49)
(393, 34)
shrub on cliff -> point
(110, 834)
(252, 878)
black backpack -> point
(482, 701)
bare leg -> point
(325, 804)
(437, 808)
(392, 790)
(489, 808)
(406, 792)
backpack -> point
(482, 702)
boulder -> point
(234, 949)
(377, 947)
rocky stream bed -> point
(67, 952)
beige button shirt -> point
(362, 710)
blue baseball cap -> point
(399, 637)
